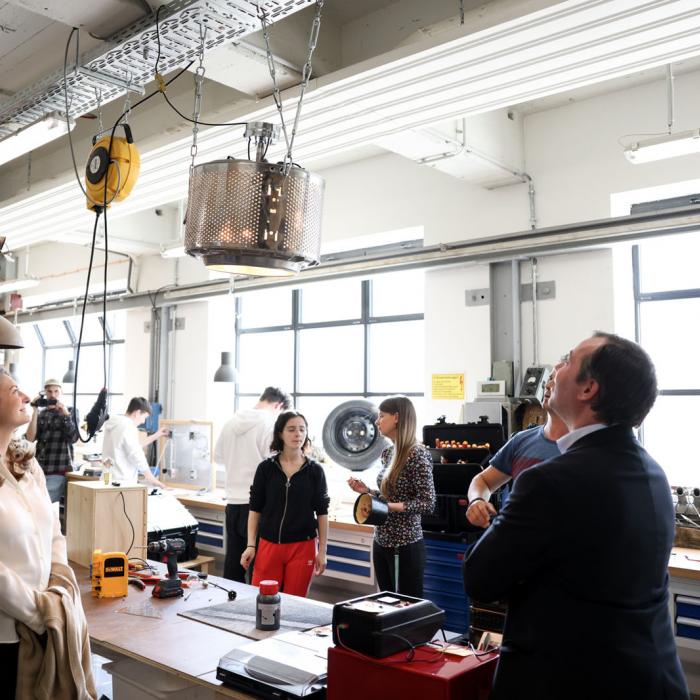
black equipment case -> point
(385, 623)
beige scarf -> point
(60, 670)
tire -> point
(350, 436)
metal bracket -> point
(477, 297)
(111, 80)
(179, 323)
(545, 290)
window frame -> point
(72, 344)
(365, 319)
(650, 297)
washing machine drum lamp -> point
(121, 176)
(350, 436)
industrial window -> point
(667, 306)
(51, 344)
(329, 342)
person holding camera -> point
(54, 427)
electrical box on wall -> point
(534, 382)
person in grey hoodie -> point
(243, 443)
(121, 444)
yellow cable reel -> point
(121, 174)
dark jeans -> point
(411, 566)
(8, 668)
(236, 541)
(56, 486)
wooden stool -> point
(201, 563)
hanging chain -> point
(127, 100)
(305, 77)
(198, 83)
(98, 97)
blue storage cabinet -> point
(687, 617)
(442, 583)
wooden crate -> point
(96, 520)
(687, 537)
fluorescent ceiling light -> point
(51, 127)
(681, 144)
(16, 285)
(173, 251)
(567, 45)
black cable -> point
(102, 208)
(133, 532)
(98, 211)
(197, 121)
(158, 35)
(408, 659)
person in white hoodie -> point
(121, 445)
(244, 442)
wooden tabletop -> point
(685, 563)
(216, 500)
(213, 500)
(177, 645)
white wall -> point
(583, 303)
(137, 345)
(457, 336)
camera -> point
(43, 402)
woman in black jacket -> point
(288, 509)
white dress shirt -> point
(31, 540)
(565, 442)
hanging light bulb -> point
(226, 372)
(254, 217)
(69, 376)
(9, 335)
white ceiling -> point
(381, 66)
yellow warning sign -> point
(448, 386)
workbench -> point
(172, 644)
(684, 584)
(349, 544)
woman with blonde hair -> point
(406, 484)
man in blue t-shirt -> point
(523, 450)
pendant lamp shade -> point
(226, 372)
(9, 335)
(69, 376)
(248, 217)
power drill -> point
(170, 586)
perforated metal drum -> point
(247, 217)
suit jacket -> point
(580, 554)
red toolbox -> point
(351, 676)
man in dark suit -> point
(580, 552)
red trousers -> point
(291, 564)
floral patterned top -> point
(414, 488)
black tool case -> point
(455, 467)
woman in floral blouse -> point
(406, 484)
